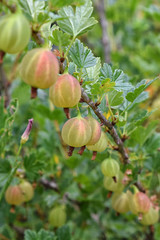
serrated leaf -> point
(115, 98)
(93, 72)
(43, 234)
(77, 22)
(82, 56)
(121, 80)
(5, 169)
(30, 235)
(63, 233)
(60, 39)
(32, 8)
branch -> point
(49, 184)
(140, 187)
(104, 25)
(112, 131)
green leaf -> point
(93, 72)
(137, 94)
(115, 98)
(141, 134)
(63, 233)
(43, 234)
(121, 80)
(60, 39)
(131, 96)
(5, 169)
(77, 22)
(30, 235)
(82, 56)
(32, 8)
(5, 132)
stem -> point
(108, 124)
(110, 110)
(70, 45)
(13, 171)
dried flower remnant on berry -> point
(25, 135)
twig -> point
(108, 124)
(104, 24)
(37, 37)
(139, 186)
(49, 184)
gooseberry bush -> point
(79, 148)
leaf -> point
(131, 96)
(93, 72)
(30, 235)
(33, 164)
(82, 56)
(47, 235)
(77, 22)
(5, 169)
(115, 98)
(141, 134)
(121, 80)
(32, 8)
(60, 39)
(41, 235)
(5, 132)
(63, 233)
(137, 94)
(106, 71)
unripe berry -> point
(120, 202)
(151, 217)
(15, 33)
(96, 130)
(39, 68)
(101, 145)
(110, 167)
(139, 202)
(14, 195)
(113, 186)
(57, 216)
(76, 132)
(66, 92)
(27, 191)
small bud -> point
(25, 135)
